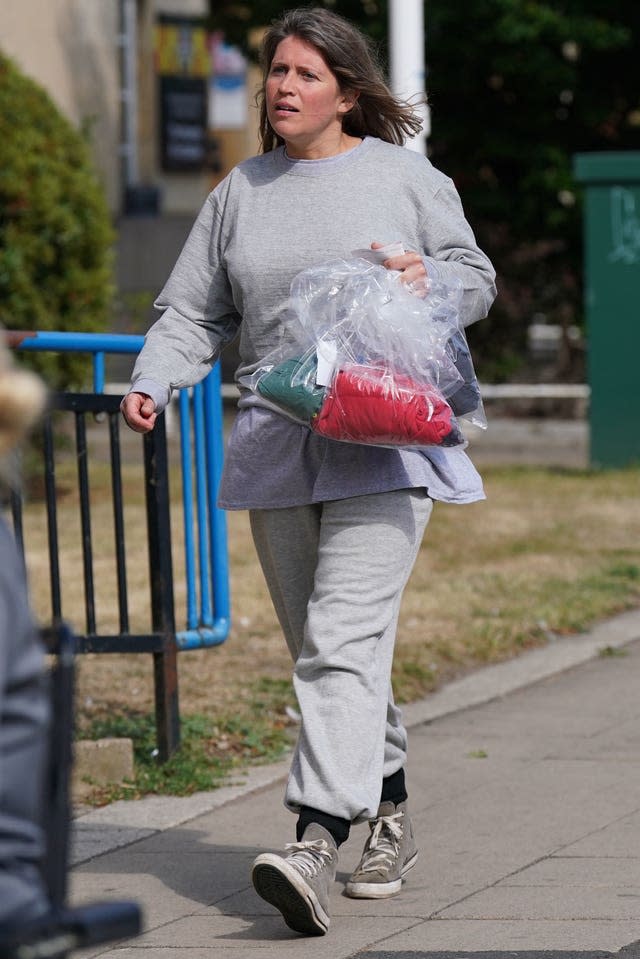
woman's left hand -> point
(411, 268)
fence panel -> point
(207, 619)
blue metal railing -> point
(201, 456)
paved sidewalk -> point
(530, 441)
(525, 793)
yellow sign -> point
(182, 49)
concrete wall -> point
(180, 192)
(71, 48)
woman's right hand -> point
(139, 411)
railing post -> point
(161, 582)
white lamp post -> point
(407, 61)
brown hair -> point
(350, 56)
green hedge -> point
(56, 236)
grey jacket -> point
(24, 724)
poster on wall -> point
(228, 86)
(183, 123)
(183, 65)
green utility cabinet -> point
(612, 303)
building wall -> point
(69, 47)
(181, 192)
(72, 48)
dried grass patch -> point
(549, 551)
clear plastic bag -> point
(365, 360)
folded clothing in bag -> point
(291, 385)
(466, 397)
(367, 405)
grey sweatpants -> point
(336, 572)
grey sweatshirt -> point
(270, 218)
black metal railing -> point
(159, 639)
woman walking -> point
(337, 526)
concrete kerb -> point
(124, 822)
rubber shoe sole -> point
(283, 887)
(379, 890)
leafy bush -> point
(56, 257)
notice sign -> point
(182, 47)
(183, 122)
(228, 86)
(183, 64)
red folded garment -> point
(365, 405)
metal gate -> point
(206, 617)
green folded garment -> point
(292, 385)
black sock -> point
(394, 789)
(339, 828)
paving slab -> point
(526, 803)
(619, 839)
(494, 939)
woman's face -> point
(304, 103)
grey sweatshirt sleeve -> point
(198, 318)
(453, 256)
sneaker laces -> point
(309, 857)
(382, 846)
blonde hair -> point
(350, 56)
(22, 400)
